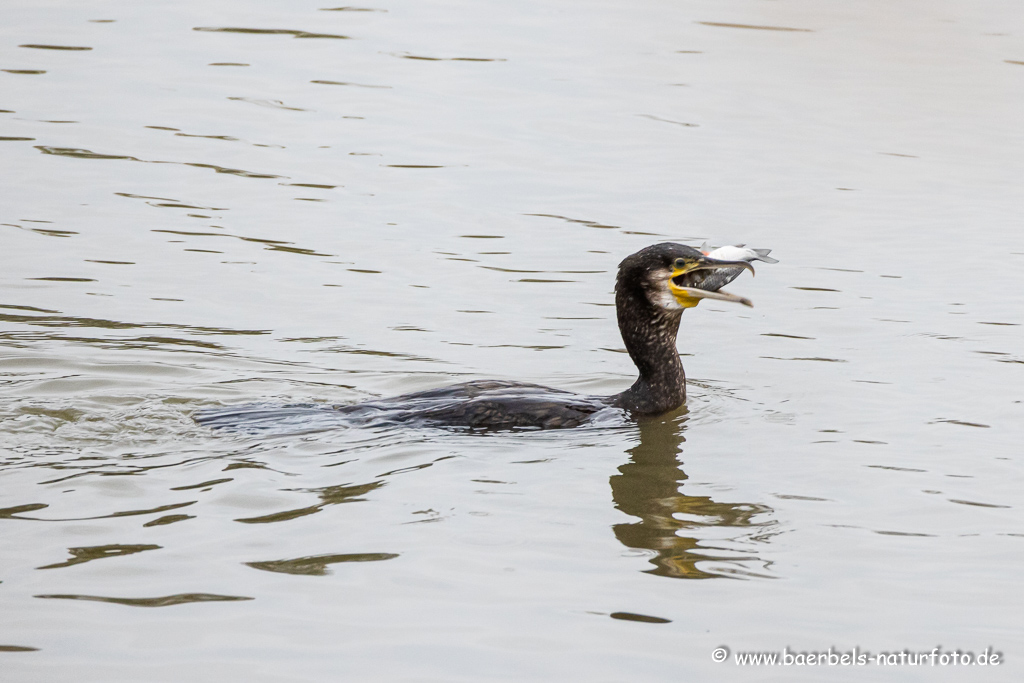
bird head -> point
(675, 276)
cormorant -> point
(653, 288)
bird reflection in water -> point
(671, 523)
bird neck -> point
(649, 333)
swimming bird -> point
(652, 289)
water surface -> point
(220, 204)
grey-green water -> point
(208, 204)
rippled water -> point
(225, 203)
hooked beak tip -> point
(712, 263)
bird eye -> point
(679, 264)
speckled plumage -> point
(649, 328)
(482, 404)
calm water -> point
(208, 204)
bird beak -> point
(691, 296)
(706, 263)
(688, 297)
